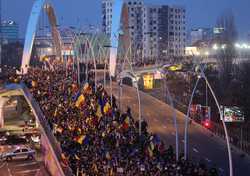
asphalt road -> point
(20, 167)
(202, 145)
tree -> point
(227, 53)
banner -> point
(233, 114)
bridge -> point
(161, 117)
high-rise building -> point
(107, 6)
(135, 10)
(156, 31)
(9, 31)
(164, 31)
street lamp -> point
(202, 75)
(174, 115)
(215, 47)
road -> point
(202, 145)
(21, 167)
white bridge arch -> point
(38, 5)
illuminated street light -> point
(223, 46)
(215, 47)
(237, 45)
(49, 49)
(197, 53)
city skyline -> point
(83, 14)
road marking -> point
(195, 150)
(25, 164)
(208, 160)
(27, 171)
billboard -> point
(233, 114)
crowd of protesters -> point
(95, 136)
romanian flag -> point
(80, 139)
(80, 101)
(125, 124)
(76, 96)
(106, 108)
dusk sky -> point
(200, 13)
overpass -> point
(50, 147)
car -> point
(19, 153)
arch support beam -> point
(31, 32)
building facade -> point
(164, 31)
(107, 7)
(9, 31)
(156, 31)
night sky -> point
(200, 13)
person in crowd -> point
(96, 138)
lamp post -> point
(202, 75)
(174, 115)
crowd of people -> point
(96, 138)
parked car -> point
(19, 153)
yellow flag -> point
(106, 108)
(34, 83)
(55, 113)
(80, 100)
(80, 139)
(98, 112)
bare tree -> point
(226, 54)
